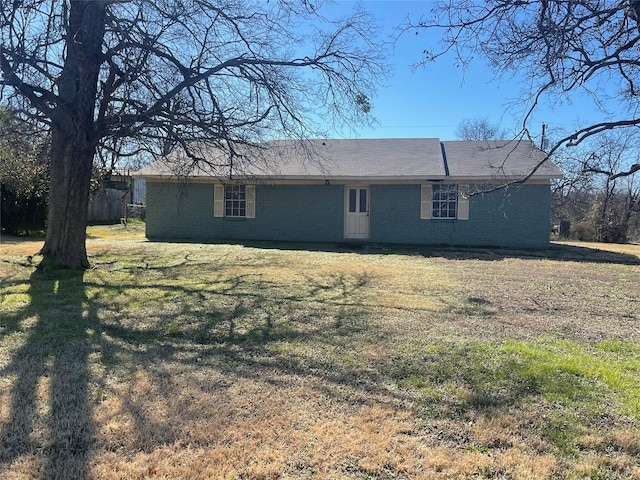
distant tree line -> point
(599, 205)
(24, 176)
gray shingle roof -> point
(496, 159)
(372, 159)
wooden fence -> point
(107, 205)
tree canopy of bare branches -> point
(479, 128)
(561, 46)
(133, 76)
(601, 206)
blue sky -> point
(431, 101)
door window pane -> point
(363, 199)
(352, 200)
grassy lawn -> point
(274, 361)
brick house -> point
(409, 191)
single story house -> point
(406, 191)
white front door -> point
(356, 212)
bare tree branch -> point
(563, 46)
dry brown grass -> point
(263, 362)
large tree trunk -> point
(68, 200)
(74, 137)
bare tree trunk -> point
(73, 142)
(68, 200)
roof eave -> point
(359, 178)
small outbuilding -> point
(403, 191)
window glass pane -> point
(352, 199)
(444, 201)
(363, 199)
(235, 201)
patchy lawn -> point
(266, 361)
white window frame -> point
(428, 202)
(226, 205)
(444, 201)
(235, 201)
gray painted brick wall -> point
(517, 217)
(283, 212)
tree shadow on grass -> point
(556, 251)
(453, 381)
(239, 328)
(49, 424)
(239, 322)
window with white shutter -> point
(234, 201)
(443, 201)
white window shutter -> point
(250, 196)
(426, 202)
(218, 200)
(463, 207)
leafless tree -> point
(572, 195)
(479, 128)
(601, 206)
(562, 46)
(619, 195)
(132, 76)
